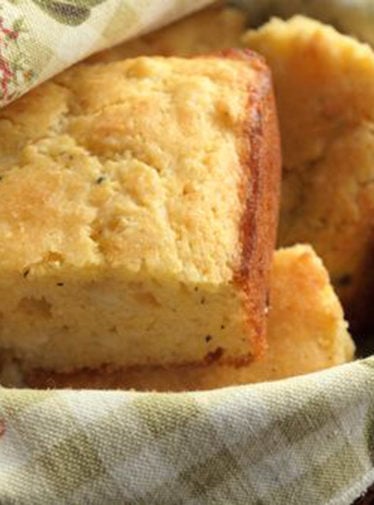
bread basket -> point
(307, 439)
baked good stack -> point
(140, 198)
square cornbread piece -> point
(138, 205)
(306, 332)
(324, 85)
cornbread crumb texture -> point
(123, 193)
(123, 139)
(325, 97)
(306, 333)
(208, 30)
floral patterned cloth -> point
(39, 38)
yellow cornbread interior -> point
(120, 210)
(306, 332)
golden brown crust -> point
(259, 224)
(261, 161)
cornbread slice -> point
(211, 29)
(138, 205)
(324, 85)
(307, 332)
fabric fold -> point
(301, 440)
